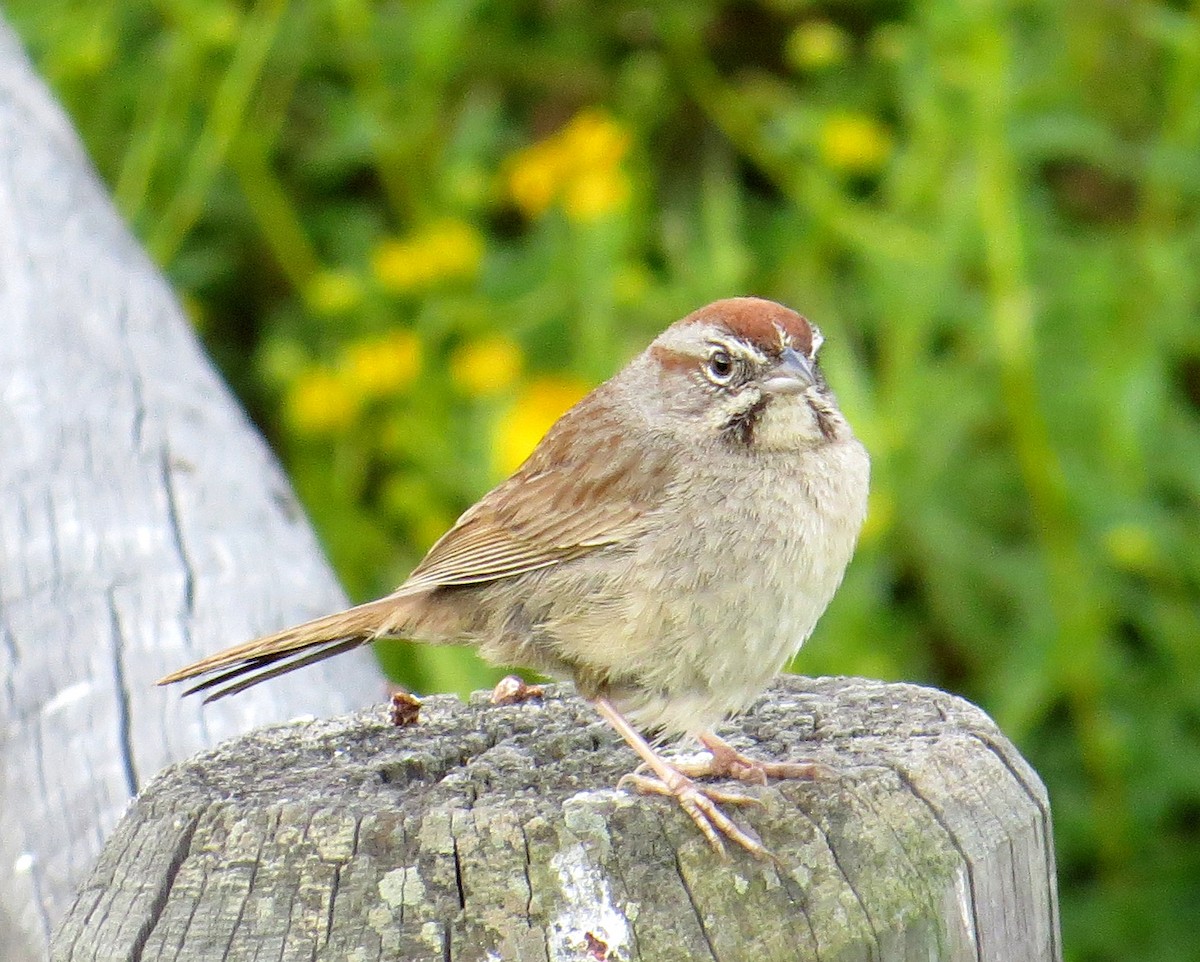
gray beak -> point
(792, 375)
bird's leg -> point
(725, 761)
(700, 802)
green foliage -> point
(411, 233)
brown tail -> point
(242, 666)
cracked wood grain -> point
(488, 833)
(143, 524)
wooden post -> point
(143, 522)
(487, 833)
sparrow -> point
(668, 547)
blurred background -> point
(413, 233)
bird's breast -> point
(728, 593)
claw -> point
(701, 804)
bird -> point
(668, 547)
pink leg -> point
(698, 801)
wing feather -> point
(580, 490)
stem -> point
(225, 119)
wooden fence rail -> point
(142, 522)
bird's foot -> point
(701, 802)
(725, 761)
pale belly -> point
(695, 621)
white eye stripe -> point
(740, 351)
(817, 339)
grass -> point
(411, 233)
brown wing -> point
(582, 488)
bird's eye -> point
(720, 365)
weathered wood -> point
(142, 524)
(494, 833)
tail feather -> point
(242, 666)
(263, 669)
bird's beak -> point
(792, 375)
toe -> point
(802, 770)
(701, 803)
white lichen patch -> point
(391, 887)
(801, 874)
(431, 935)
(334, 836)
(583, 814)
(402, 886)
(380, 918)
(586, 915)
(266, 910)
(435, 834)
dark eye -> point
(720, 365)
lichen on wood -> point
(487, 832)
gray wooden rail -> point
(487, 833)
(142, 522)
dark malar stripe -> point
(740, 428)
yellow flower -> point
(446, 250)
(455, 247)
(485, 367)
(817, 45)
(318, 403)
(579, 166)
(854, 143)
(594, 140)
(379, 366)
(333, 291)
(595, 193)
(535, 177)
(542, 402)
